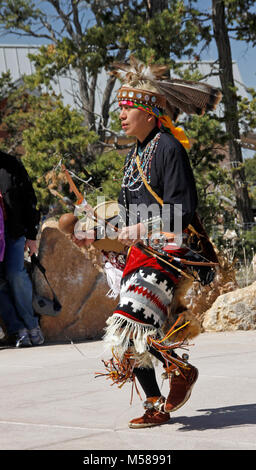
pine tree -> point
(42, 131)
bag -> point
(42, 305)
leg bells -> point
(154, 414)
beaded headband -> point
(157, 112)
(141, 97)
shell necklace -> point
(132, 179)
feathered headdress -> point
(149, 85)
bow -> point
(72, 185)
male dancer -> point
(157, 175)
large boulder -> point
(79, 284)
(233, 311)
(200, 298)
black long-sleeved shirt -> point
(171, 178)
(22, 216)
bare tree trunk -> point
(87, 99)
(231, 111)
(107, 96)
(105, 107)
(155, 6)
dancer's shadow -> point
(218, 418)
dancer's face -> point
(136, 122)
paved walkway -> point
(50, 400)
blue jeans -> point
(16, 289)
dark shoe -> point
(22, 339)
(36, 336)
(154, 415)
(182, 380)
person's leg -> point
(19, 281)
(154, 405)
(21, 288)
(159, 356)
(147, 380)
(182, 377)
(7, 309)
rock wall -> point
(80, 287)
(200, 298)
(233, 311)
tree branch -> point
(63, 16)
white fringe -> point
(121, 329)
(114, 276)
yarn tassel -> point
(114, 276)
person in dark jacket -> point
(21, 219)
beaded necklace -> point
(132, 179)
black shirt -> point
(22, 216)
(171, 178)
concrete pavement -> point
(50, 400)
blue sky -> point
(242, 53)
